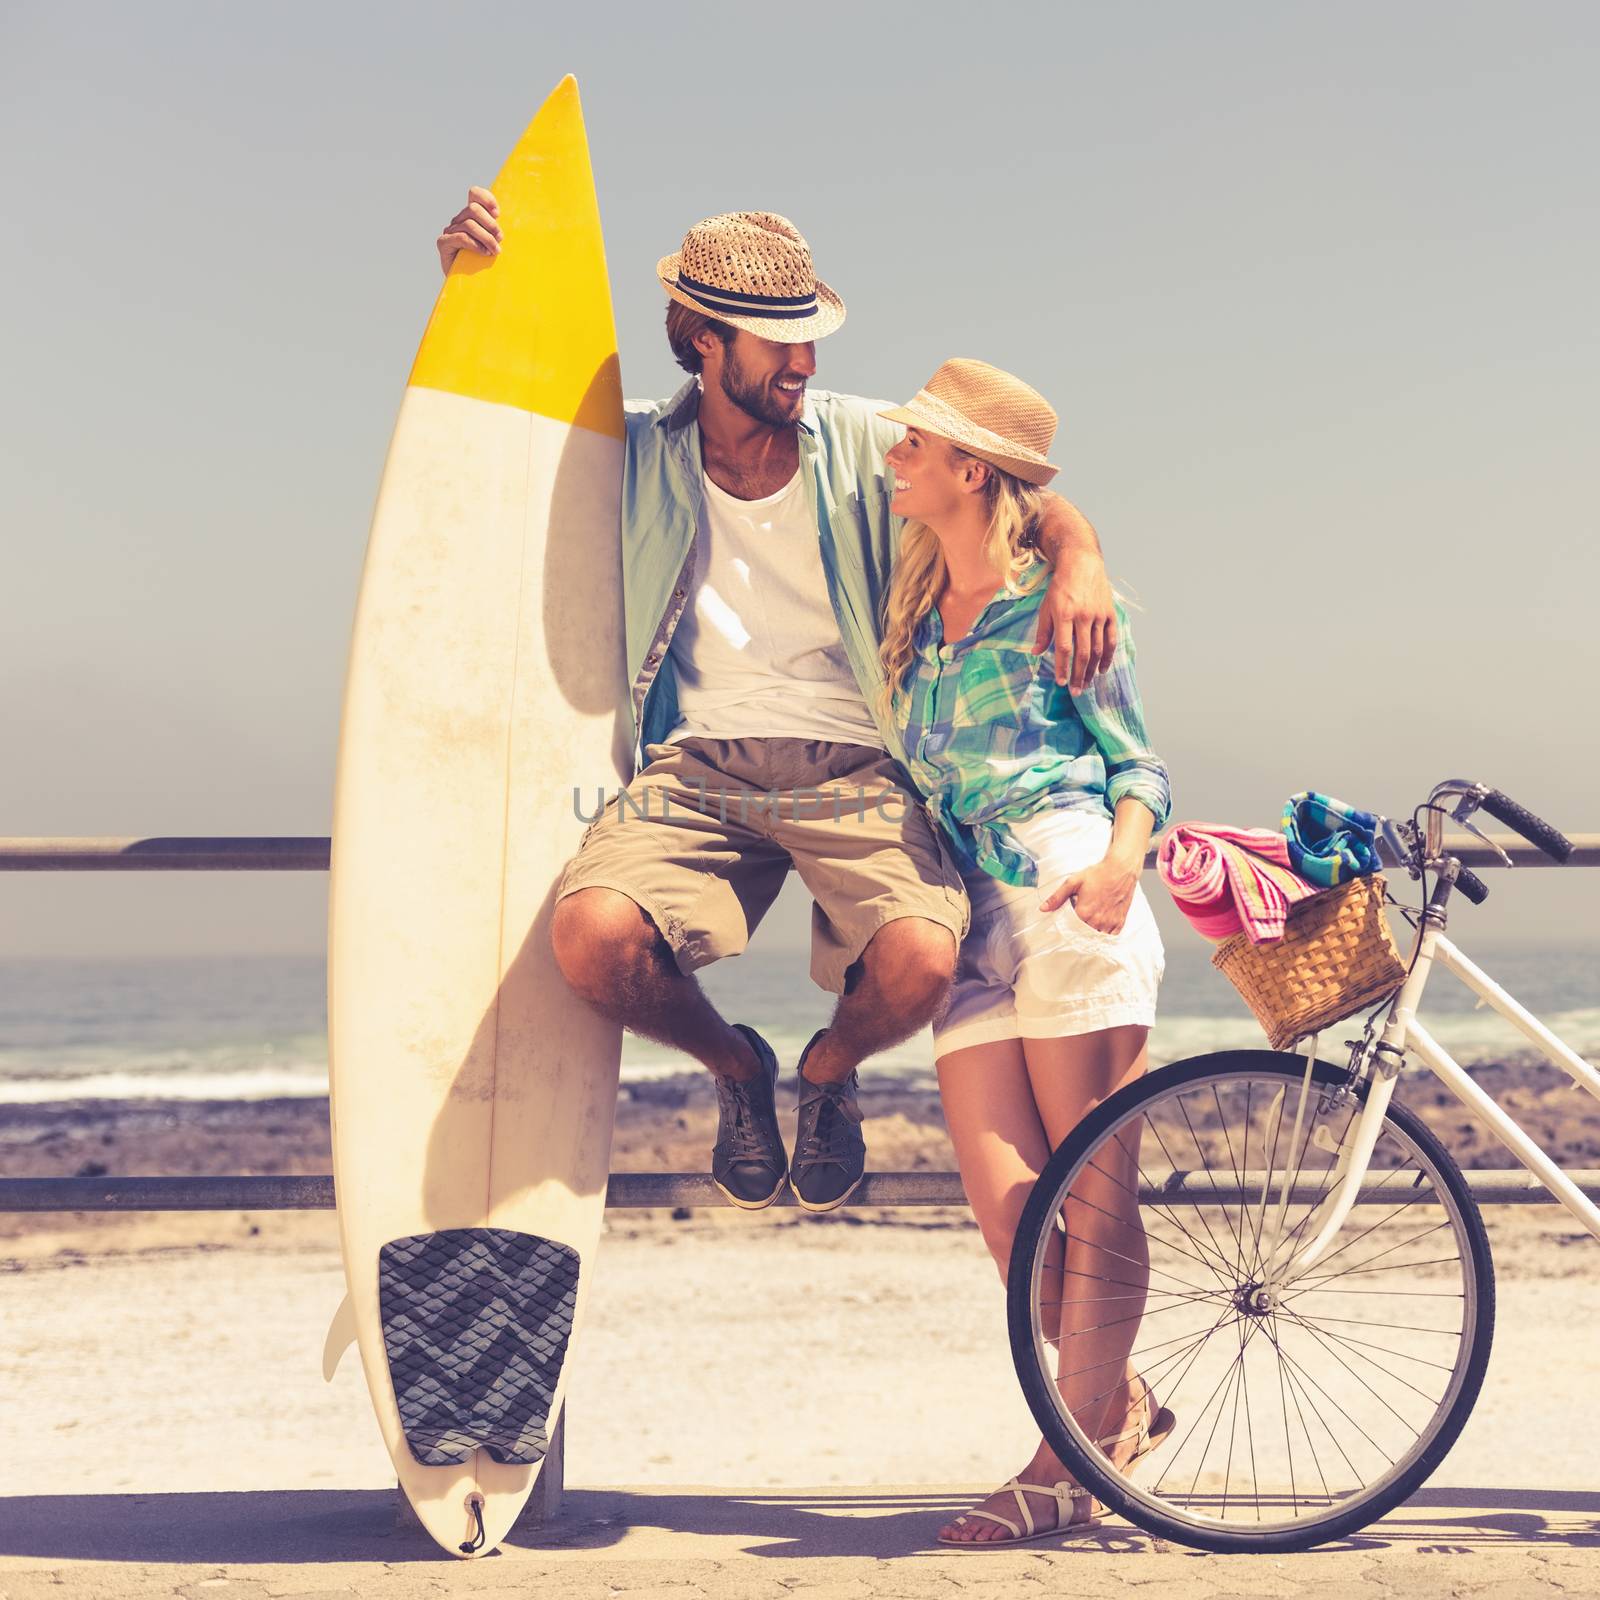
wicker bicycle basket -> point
(1336, 956)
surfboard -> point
(472, 1093)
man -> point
(757, 545)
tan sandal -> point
(1066, 1495)
(1154, 1424)
(1148, 1432)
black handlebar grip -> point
(1535, 830)
(1472, 886)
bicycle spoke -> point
(1144, 1351)
(1366, 1261)
(1168, 1215)
(1403, 1355)
(1401, 1327)
(1238, 1176)
(1323, 1338)
(1224, 1381)
(1216, 1245)
(1324, 1196)
(1125, 1283)
(1352, 1272)
(1200, 1415)
(1238, 1263)
(1233, 1423)
(1102, 1299)
(1306, 1376)
(1288, 1443)
(1261, 1214)
(1422, 1294)
(1327, 1181)
(1250, 1439)
(1357, 1238)
(1120, 1322)
(1133, 1228)
(1167, 1365)
(1298, 1388)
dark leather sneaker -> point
(747, 1162)
(829, 1153)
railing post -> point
(544, 1504)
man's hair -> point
(683, 323)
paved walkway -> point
(652, 1544)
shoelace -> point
(745, 1142)
(831, 1117)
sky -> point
(1312, 289)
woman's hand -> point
(1100, 894)
(473, 227)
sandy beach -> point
(743, 1376)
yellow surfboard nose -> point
(532, 327)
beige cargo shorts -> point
(704, 836)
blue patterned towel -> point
(1329, 842)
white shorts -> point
(1031, 974)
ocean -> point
(255, 1027)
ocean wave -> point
(298, 1067)
(306, 1081)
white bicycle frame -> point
(1402, 1032)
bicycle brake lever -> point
(1473, 828)
(1466, 806)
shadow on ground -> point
(876, 1523)
(308, 1527)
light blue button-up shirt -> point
(843, 441)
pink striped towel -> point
(1231, 880)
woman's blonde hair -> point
(919, 570)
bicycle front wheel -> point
(1160, 1254)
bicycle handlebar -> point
(1472, 886)
(1519, 819)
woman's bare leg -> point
(1001, 1147)
(1000, 1143)
(1004, 1130)
(1107, 1262)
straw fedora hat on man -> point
(987, 413)
(752, 270)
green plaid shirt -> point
(992, 738)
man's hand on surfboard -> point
(474, 227)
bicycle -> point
(1207, 1228)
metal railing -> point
(635, 1191)
(310, 854)
(625, 1190)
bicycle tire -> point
(1041, 1211)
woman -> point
(1048, 799)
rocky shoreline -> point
(663, 1125)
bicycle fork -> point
(1283, 1259)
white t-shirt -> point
(757, 650)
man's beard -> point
(752, 397)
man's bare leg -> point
(613, 955)
(897, 986)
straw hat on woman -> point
(1048, 798)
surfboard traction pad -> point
(476, 1323)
